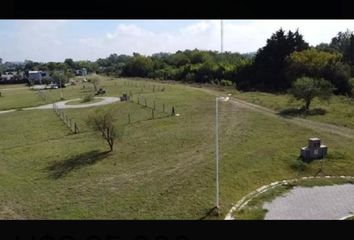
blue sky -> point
(55, 40)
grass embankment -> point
(161, 168)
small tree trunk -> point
(307, 104)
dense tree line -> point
(274, 67)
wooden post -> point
(153, 88)
(173, 111)
(76, 130)
(129, 117)
(163, 107)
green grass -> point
(338, 111)
(162, 168)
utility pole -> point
(224, 99)
(222, 36)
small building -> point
(314, 150)
(12, 77)
(81, 72)
(37, 76)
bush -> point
(224, 82)
(299, 165)
(87, 98)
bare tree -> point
(95, 81)
(102, 122)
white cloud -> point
(45, 40)
(239, 35)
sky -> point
(56, 40)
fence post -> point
(129, 117)
(173, 111)
(76, 129)
(163, 107)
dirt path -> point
(63, 105)
(316, 126)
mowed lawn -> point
(162, 168)
(338, 111)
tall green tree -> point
(320, 64)
(268, 69)
(344, 43)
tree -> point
(320, 64)
(60, 78)
(139, 66)
(70, 63)
(344, 43)
(269, 66)
(307, 89)
(102, 122)
(95, 80)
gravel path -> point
(321, 202)
(62, 104)
(7, 111)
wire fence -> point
(158, 110)
(42, 95)
(146, 87)
(67, 120)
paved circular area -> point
(320, 202)
(62, 104)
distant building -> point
(81, 72)
(12, 77)
(37, 76)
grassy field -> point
(338, 111)
(161, 168)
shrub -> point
(224, 82)
(299, 165)
(87, 98)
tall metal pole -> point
(217, 150)
(222, 36)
